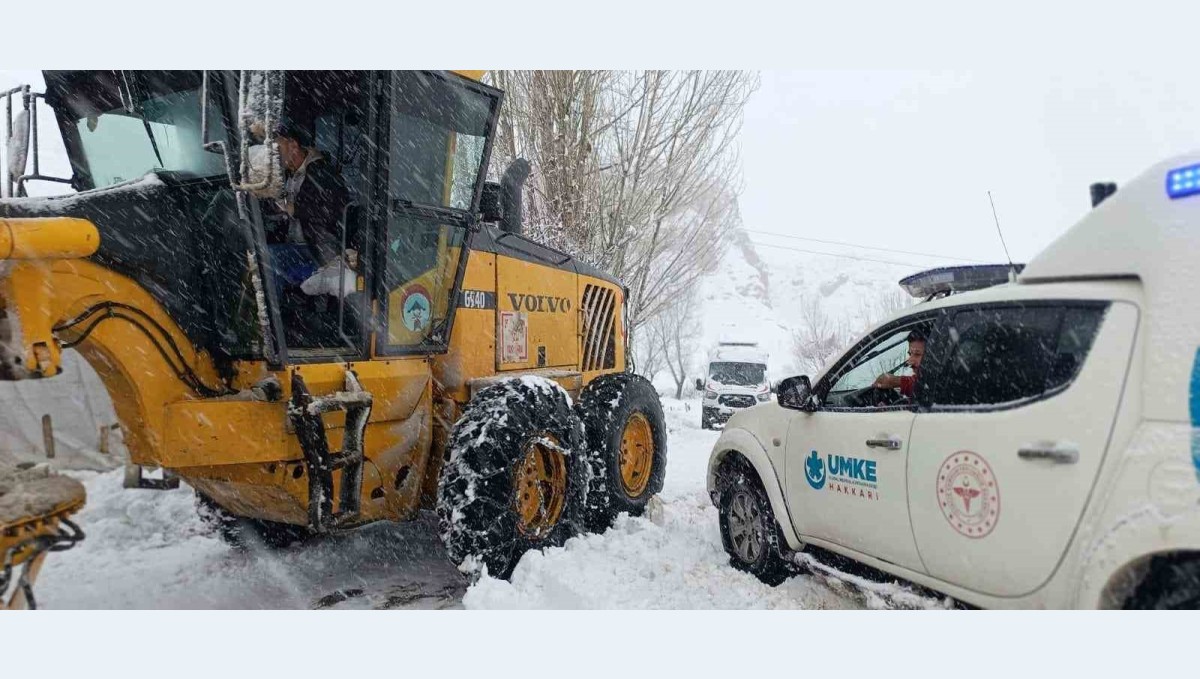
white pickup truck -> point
(1049, 453)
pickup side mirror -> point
(795, 393)
(699, 384)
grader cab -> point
(439, 359)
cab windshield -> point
(128, 124)
(737, 374)
(439, 130)
(437, 140)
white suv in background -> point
(736, 380)
(1050, 454)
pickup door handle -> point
(1057, 453)
(886, 444)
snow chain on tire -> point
(479, 491)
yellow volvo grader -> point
(454, 364)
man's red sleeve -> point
(907, 385)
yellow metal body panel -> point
(212, 432)
(48, 238)
(40, 295)
(244, 456)
(544, 300)
(472, 350)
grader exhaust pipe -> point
(511, 182)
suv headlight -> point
(708, 393)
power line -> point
(830, 254)
(865, 247)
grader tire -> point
(516, 477)
(627, 445)
(242, 533)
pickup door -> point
(1021, 403)
(846, 462)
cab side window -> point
(884, 357)
(1006, 355)
(852, 383)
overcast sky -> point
(903, 160)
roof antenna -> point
(1010, 262)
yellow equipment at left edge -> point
(48, 238)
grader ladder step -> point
(306, 413)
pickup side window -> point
(849, 384)
(1006, 355)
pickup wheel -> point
(749, 530)
(1173, 583)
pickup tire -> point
(749, 531)
(1173, 583)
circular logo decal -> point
(968, 494)
(415, 308)
(814, 471)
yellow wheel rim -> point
(637, 454)
(541, 486)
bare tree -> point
(675, 329)
(647, 353)
(817, 337)
(633, 171)
(550, 119)
(881, 306)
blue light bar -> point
(951, 279)
(1183, 182)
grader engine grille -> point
(599, 328)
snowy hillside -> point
(758, 292)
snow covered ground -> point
(149, 549)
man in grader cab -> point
(469, 370)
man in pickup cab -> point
(907, 383)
